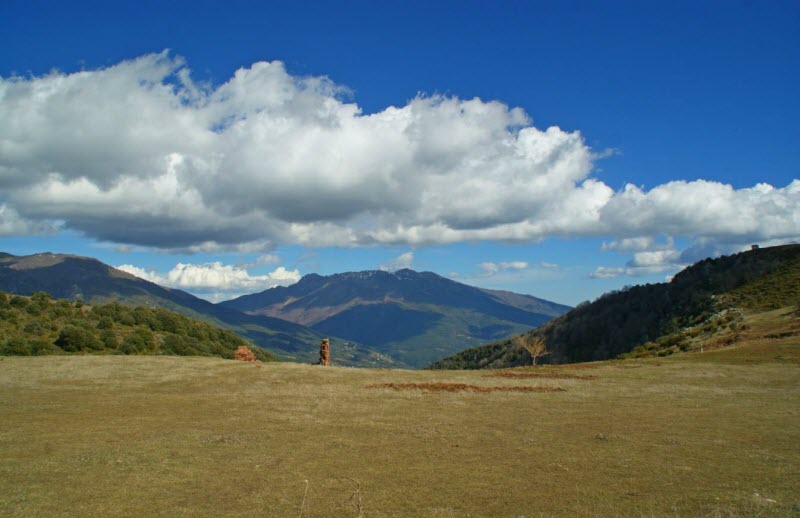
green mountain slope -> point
(39, 325)
(658, 318)
(415, 317)
(71, 277)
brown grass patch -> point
(543, 375)
(586, 365)
(462, 387)
(145, 432)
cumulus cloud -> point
(215, 280)
(148, 275)
(12, 224)
(649, 257)
(400, 262)
(138, 153)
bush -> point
(105, 323)
(174, 344)
(126, 319)
(18, 302)
(43, 347)
(109, 339)
(140, 340)
(16, 347)
(35, 328)
(128, 347)
(74, 339)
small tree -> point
(535, 345)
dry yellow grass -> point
(159, 436)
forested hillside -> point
(40, 325)
(620, 321)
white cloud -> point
(653, 258)
(490, 268)
(148, 275)
(513, 265)
(706, 209)
(227, 277)
(630, 244)
(215, 280)
(605, 272)
(139, 154)
(649, 257)
(267, 259)
(262, 260)
(405, 260)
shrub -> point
(174, 344)
(109, 339)
(73, 339)
(105, 323)
(16, 347)
(126, 319)
(36, 328)
(140, 340)
(128, 347)
(18, 302)
(43, 347)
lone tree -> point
(535, 345)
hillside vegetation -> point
(39, 325)
(695, 435)
(703, 300)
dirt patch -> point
(461, 387)
(578, 366)
(542, 375)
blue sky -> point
(693, 104)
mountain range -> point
(373, 318)
(415, 317)
(70, 277)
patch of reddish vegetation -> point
(460, 387)
(244, 354)
(544, 375)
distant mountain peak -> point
(411, 315)
(362, 275)
(407, 274)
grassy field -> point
(691, 435)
